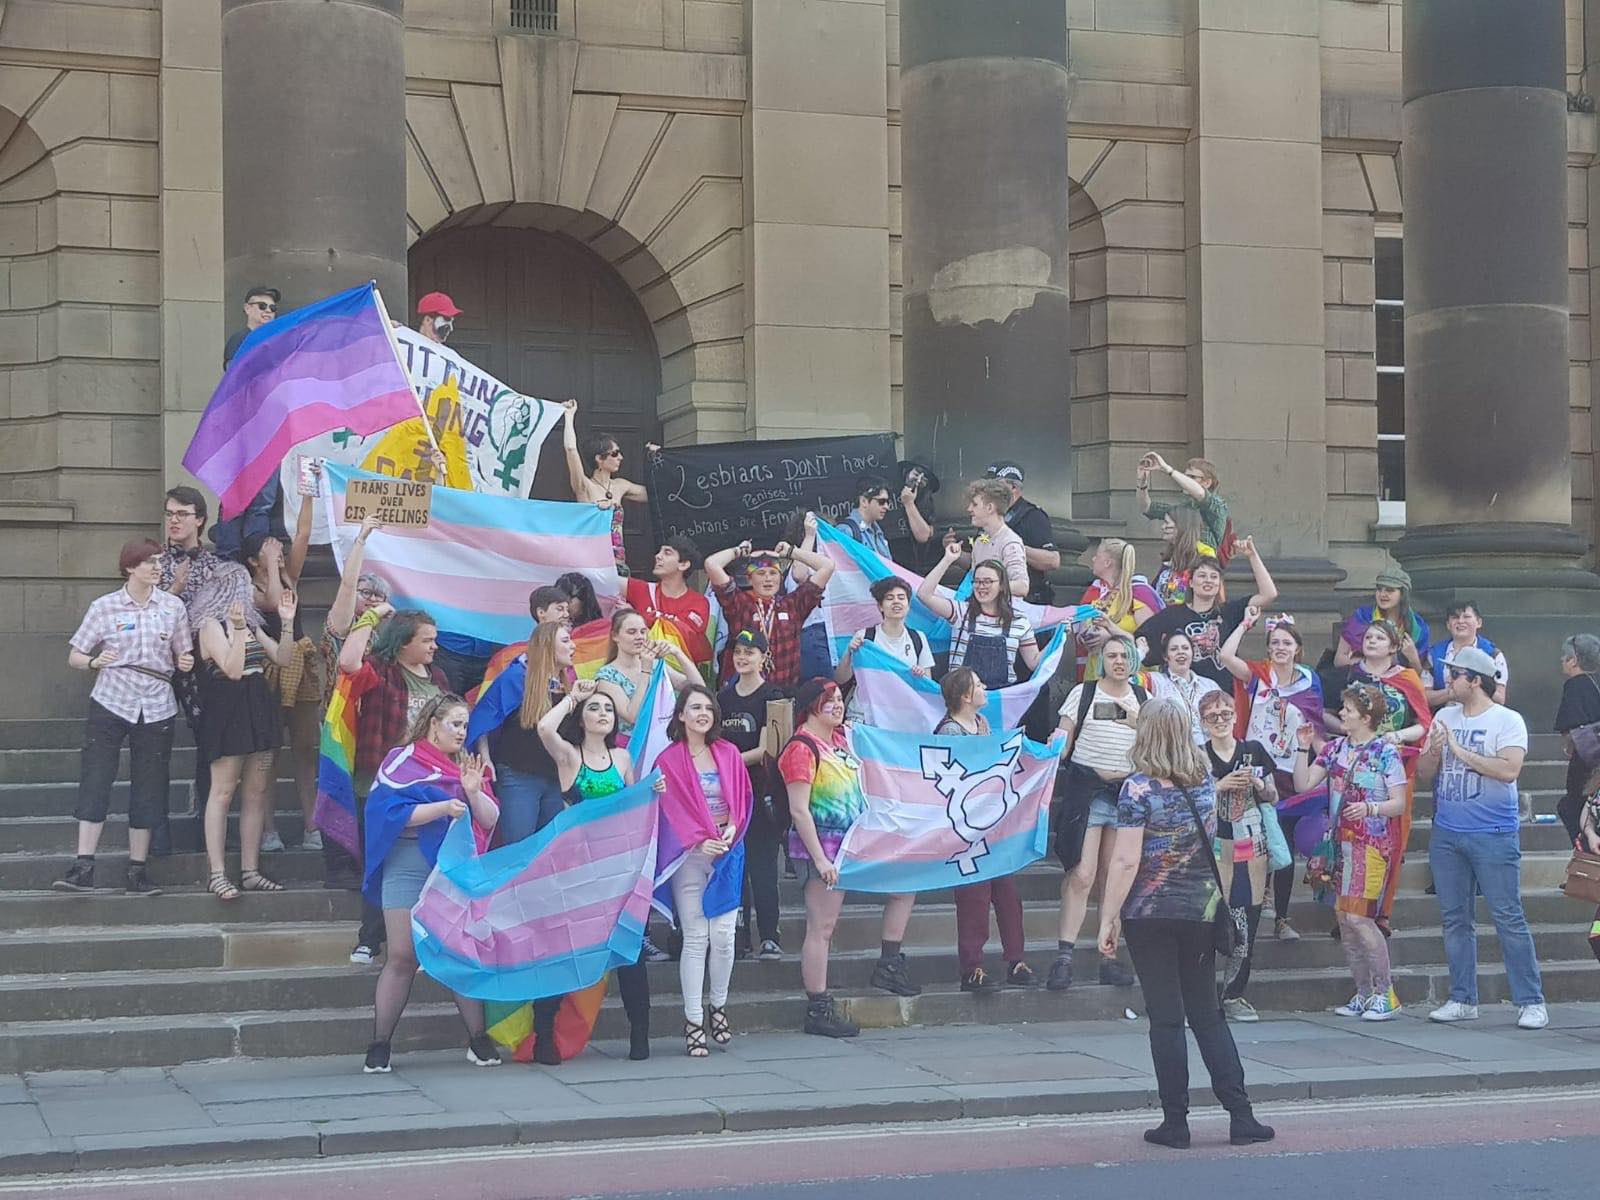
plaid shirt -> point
(781, 622)
(379, 688)
(146, 637)
(202, 566)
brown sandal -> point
(255, 881)
(221, 886)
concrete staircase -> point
(105, 980)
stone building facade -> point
(687, 214)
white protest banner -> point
(490, 433)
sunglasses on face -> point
(614, 452)
(264, 305)
(1459, 673)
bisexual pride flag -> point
(891, 697)
(545, 916)
(472, 566)
(946, 809)
(330, 365)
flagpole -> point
(394, 344)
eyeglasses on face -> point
(1219, 714)
(264, 305)
(172, 514)
(369, 593)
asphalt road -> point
(1542, 1145)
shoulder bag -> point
(1586, 738)
(1583, 877)
(1230, 933)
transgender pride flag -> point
(547, 915)
(472, 566)
(330, 365)
(944, 810)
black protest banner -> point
(720, 494)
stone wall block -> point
(628, 148)
(483, 123)
(436, 129)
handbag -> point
(1229, 932)
(1583, 877)
(1586, 738)
(1279, 855)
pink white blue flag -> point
(547, 915)
(330, 365)
(472, 566)
(891, 697)
(946, 810)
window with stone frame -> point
(1389, 315)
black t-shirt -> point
(1252, 754)
(744, 718)
(1206, 630)
(523, 749)
(1580, 703)
(1032, 524)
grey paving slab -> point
(866, 1106)
(1063, 1096)
(667, 1061)
(73, 1118)
(663, 1118)
(182, 1147)
(14, 1091)
(1045, 1066)
(1319, 1052)
(34, 1156)
(347, 1083)
(514, 1085)
(787, 1046)
(138, 1092)
(688, 1085)
(377, 1135)
(318, 1109)
(21, 1123)
(858, 1072)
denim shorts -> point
(405, 870)
(1102, 811)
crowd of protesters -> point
(1182, 760)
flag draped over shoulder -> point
(946, 810)
(547, 915)
(330, 365)
(472, 566)
(891, 697)
(336, 791)
(848, 606)
(650, 730)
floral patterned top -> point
(1174, 879)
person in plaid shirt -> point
(765, 606)
(133, 640)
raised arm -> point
(717, 564)
(566, 756)
(281, 649)
(300, 544)
(1266, 590)
(343, 610)
(272, 572)
(846, 671)
(1229, 654)
(577, 477)
(928, 589)
(354, 652)
(921, 531)
(1307, 774)
(225, 647)
(819, 564)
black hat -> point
(930, 487)
(808, 693)
(1006, 469)
(749, 637)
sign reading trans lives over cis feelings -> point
(723, 493)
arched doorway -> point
(550, 318)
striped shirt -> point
(1102, 745)
(147, 637)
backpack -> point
(917, 644)
(1084, 703)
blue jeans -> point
(527, 804)
(229, 535)
(816, 655)
(1492, 862)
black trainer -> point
(139, 883)
(823, 1019)
(979, 982)
(1020, 975)
(1060, 974)
(890, 975)
(1114, 973)
(377, 1059)
(482, 1052)
(79, 878)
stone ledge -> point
(36, 512)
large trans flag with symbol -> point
(946, 809)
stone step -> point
(183, 906)
(61, 799)
(169, 1039)
(1534, 836)
(46, 834)
(64, 765)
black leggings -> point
(761, 844)
(1283, 881)
(1177, 967)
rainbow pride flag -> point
(511, 1024)
(336, 790)
(330, 365)
(472, 566)
(944, 810)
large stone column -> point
(983, 145)
(1488, 438)
(1488, 442)
(313, 148)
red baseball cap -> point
(437, 304)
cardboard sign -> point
(403, 502)
(721, 493)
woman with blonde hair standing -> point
(1163, 892)
(1125, 600)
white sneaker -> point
(363, 956)
(1352, 1007)
(1239, 1009)
(1381, 1007)
(1452, 1011)
(312, 840)
(271, 843)
(1533, 1016)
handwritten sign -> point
(723, 493)
(404, 502)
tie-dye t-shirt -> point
(835, 778)
(1174, 879)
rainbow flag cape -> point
(545, 916)
(511, 1024)
(330, 365)
(472, 566)
(891, 697)
(336, 791)
(946, 809)
(848, 607)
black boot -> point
(1245, 1130)
(639, 1042)
(823, 1019)
(544, 1033)
(1173, 1133)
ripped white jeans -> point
(704, 939)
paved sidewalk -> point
(302, 1108)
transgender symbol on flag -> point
(976, 801)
